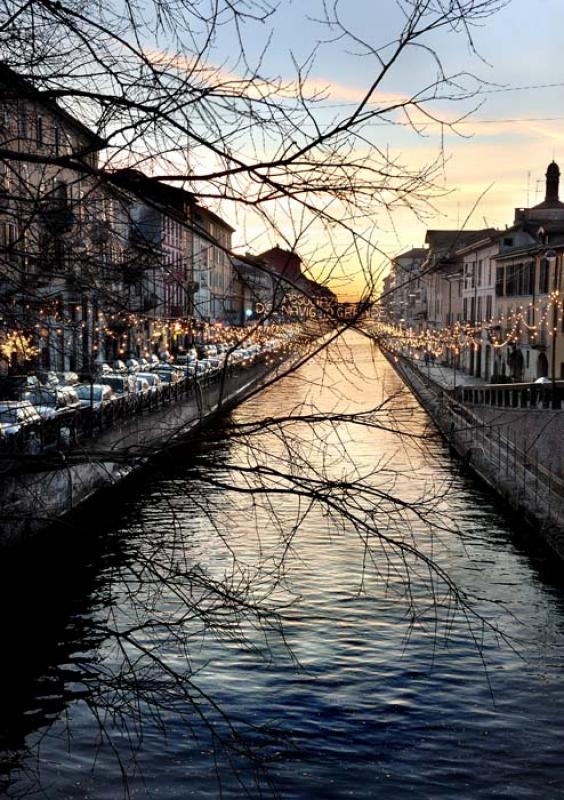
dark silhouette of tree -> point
(154, 120)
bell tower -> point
(552, 182)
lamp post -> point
(550, 256)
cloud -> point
(311, 87)
(510, 153)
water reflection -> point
(221, 629)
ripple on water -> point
(362, 698)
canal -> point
(319, 609)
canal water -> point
(318, 609)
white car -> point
(53, 402)
(153, 380)
(94, 395)
(142, 387)
(15, 415)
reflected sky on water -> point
(249, 616)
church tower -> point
(552, 183)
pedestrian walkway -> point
(445, 377)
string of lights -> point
(507, 329)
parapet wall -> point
(516, 452)
(539, 433)
(36, 491)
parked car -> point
(169, 376)
(142, 387)
(202, 370)
(121, 385)
(50, 379)
(70, 394)
(51, 403)
(183, 359)
(68, 378)
(132, 365)
(170, 367)
(94, 395)
(119, 366)
(154, 381)
(19, 420)
(211, 365)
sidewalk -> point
(446, 377)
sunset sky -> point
(505, 145)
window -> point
(544, 276)
(489, 307)
(513, 280)
(4, 116)
(39, 130)
(521, 283)
(5, 182)
(24, 176)
(473, 309)
(499, 282)
(22, 123)
(56, 139)
(479, 310)
(60, 193)
(530, 278)
(468, 276)
(7, 234)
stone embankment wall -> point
(516, 452)
(38, 490)
(539, 433)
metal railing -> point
(513, 395)
(76, 426)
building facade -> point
(95, 265)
